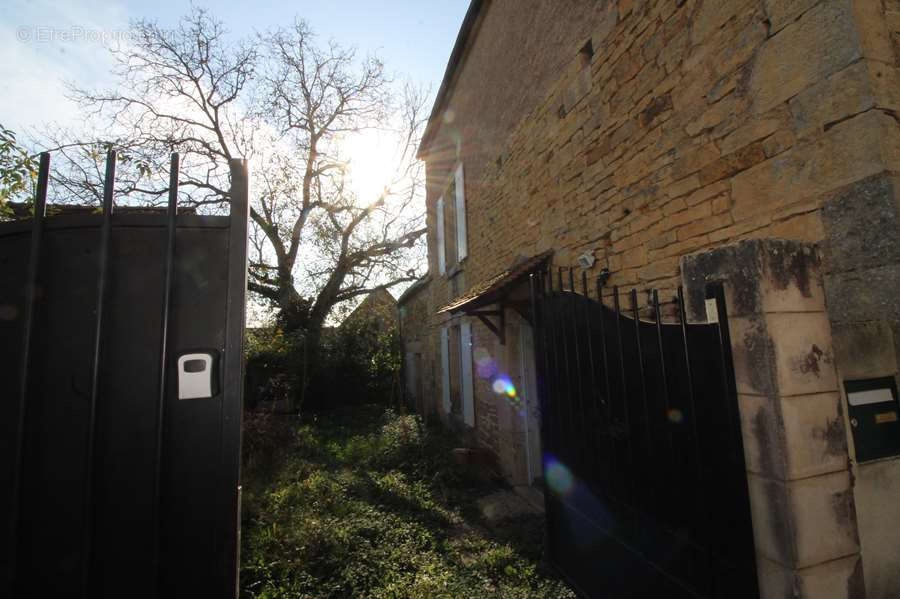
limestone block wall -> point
(680, 126)
(690, 126)
(417, 337)
(671, 127)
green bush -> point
(356, 364)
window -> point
(452, 237)
(441, 250)
(462, 245)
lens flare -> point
(675, 415)
(503, 386)
(559, 478)
(485, 365)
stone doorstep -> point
(533, 495)
(479, 461)
(504, 504)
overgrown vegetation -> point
(368, 503)
(18, 171)
(357, 363)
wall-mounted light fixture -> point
(586, 260)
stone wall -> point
(676, 126)
(690, 127)
(417, 338)
(524, 44)
(862, 279)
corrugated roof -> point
(496, 287)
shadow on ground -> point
(368, 503)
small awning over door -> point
(502, 289)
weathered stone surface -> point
(770, 509)
(879, 524)
(755, 130)
(837, 579)
(763, 434)
(712, 14)
(694, 159)
(862, 224)
(875, 36)
(753, 356)
(885, 81)
(775, 580)
(605, 26)
(819, 511)
(733, 163)
(824, 518)
(848, 152)
(815, 436)
(778, 142)
(823, 41)
(843, 94)
(791, 278)
(804, 357)
(801, 227)
(864, 349)
(864, 294)
(784, 12)
(761, 275)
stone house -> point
(670, 143)
(418, 365)
(379, 307)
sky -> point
(45, 43)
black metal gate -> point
(644, 466)
(121, 386)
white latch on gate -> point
(712, 311)
(196, 375)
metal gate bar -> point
(34, 262)
(105, 230)
(594, 461)
(652, 391)
(235, 309)
(171, 220)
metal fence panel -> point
(647, 493)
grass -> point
(367, 503)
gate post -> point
(792, 420)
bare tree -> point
(286, 104)
(314, 98)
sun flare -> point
(371, 156)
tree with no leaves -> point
(285, 104)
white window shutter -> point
(462, 242)
(468, 389)
(445, 369)
(442, 251)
